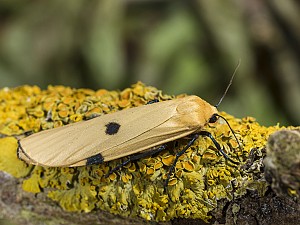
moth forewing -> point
(117, 134)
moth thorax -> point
(195, 111)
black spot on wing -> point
(112, 128)
(95, 159)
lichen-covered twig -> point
(201, 180)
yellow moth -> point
(122, 133)
(118, 134)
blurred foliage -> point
(5, 222)
(178, 46)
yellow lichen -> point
(189, 166)
(172, 181)
(168, 160)
(201, 177)
(9, 161)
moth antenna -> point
(231, 130)
(230, 82)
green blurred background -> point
(178, 46)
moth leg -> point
(178, 154)
(191, 142)
(136, 157)
(207, 134)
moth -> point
(130, 132)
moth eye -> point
(112, 128)
(213, 119)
